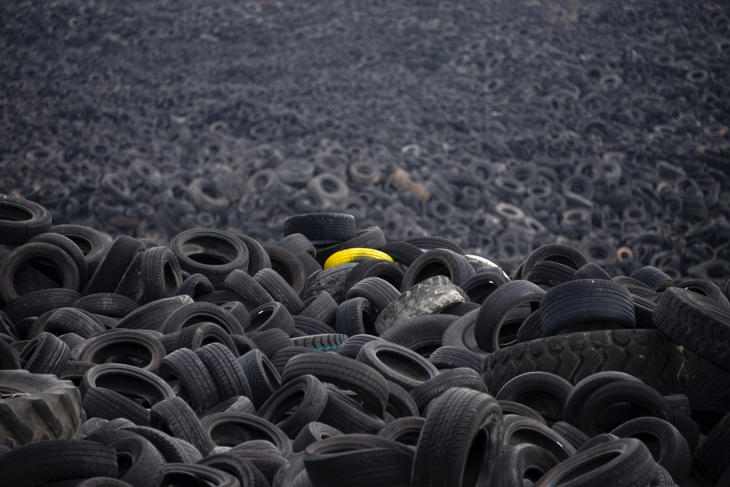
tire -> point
(351, 347)
(646, 354)
(152, 316)
(196, 385)
(295, 404)
(511, 407)
(574, 436)
(332, 280)
(174, 450)
(400, 402)
(226, 429)
(240, 468)
(196, 285)
(438, 385)
(322, 308)
(289, 266)
(355, 317)
(363, 380)
(280, 290)
(345, 414)
(560, 253)
(251, 293)
(321, 226)
(257, 257)
(54, 460)
(422, 334)
(436, 262)
(131, 347)
(358, 460)
(305, 325)
(187, 474)
(111, 269)
(69, 246)
(584, 389)
(405, 430)
(174, 417)
(450, 357)
(213, 253)
(429, 296)
(696, 321)
(40, 407)
(197, 312)
(546, 393)
(93, 243)
(377, 291)
(45, 354)
(37, 303)
(519, 462)
(402, 252)
(664, 441)
(227, 374)
(460, 440)
(322, 342)
(160, 273)
(496, 308)
(710, 459)
(550, 274)
(200, 334)
(23, 255)
(397, 363)
(461, 333)
(261, 374)
(21, 219)
(586, 301)
(311, 432)
(482, 285)
(270, 341)
(109, 304)
(388, 271)
(625, 462)
(143, 464)
(518, 429)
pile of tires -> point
(337, 357)
(501, 126)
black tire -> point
(232, 429)
(200, 334)
(584, 389)
(664, 441)
(111, 269)
(21, 219)
(397, 363)
(591, 270)
(289, 267)
(596, 415)
(546, 393)
(36, 407)
(400, 402)
(450, 357)
(436, 262)
(187, 474)
(196, 385)
(519, 462)
(23, 255)
(93, 243)
(270, 341)
(227, 374)
(646, 354)
(322, 342)
(586, 301)
(45, 354)
(197, 312)
(460, 440)
(261, 374)
(131, 347)
(574, 436)
(422, 334)
(388, 271)
(322, 308)
(37, 303)
(448, 379)
(518, 429)
(240, 468)
(109, 304)
(710, 459)
(497, 307)
(213, 253)
(345, 414)
(280, 290)
(311, 432)
(696, 321)
(405, 430)
(331, 280)
(64, 320)
(461, 333)
(153, 315)
(654, 278)
(378, 292)
(174, 450)
(358, 461)
(321, 226)
(160, 274)
(512, 407)
(54, 460)
(560, 253)
(355, 317)
(482, 285)
(174, 417)
(100, 402)
(257, 257)
(195, 285)
(402, 252)
(310, 326)
(429, 296)
(363, 380)
(69, 246)
(141, 464)
(271, 315)
(619, 462)
(550, 274)
(351, 347)
(295, 404)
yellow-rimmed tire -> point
(355, 254)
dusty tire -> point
(34, 407)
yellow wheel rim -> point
(355, 254)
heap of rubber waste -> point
(336, 356)
(501, 125)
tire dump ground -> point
(406, 243)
